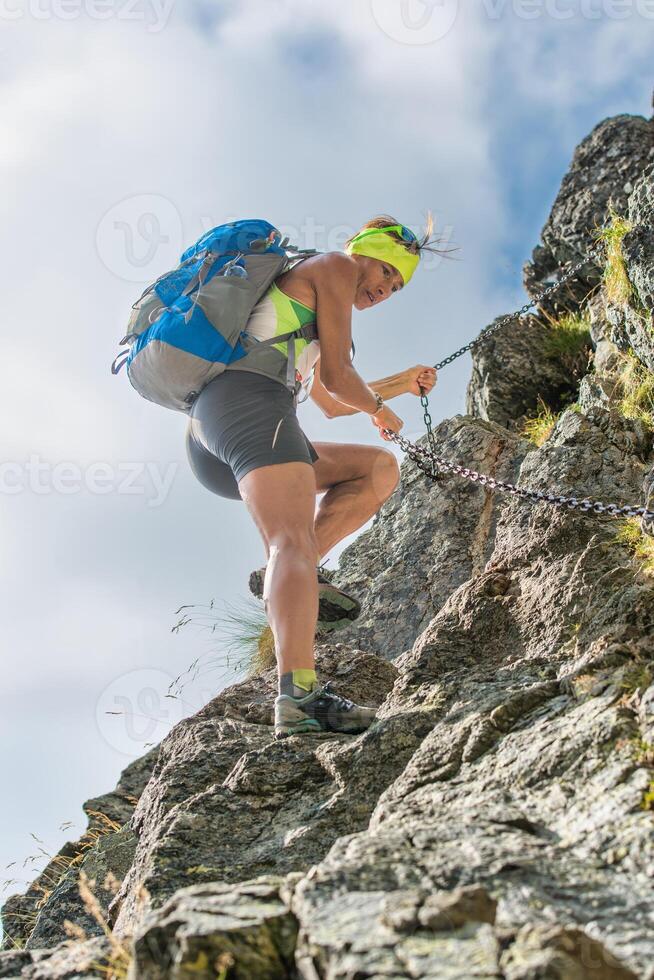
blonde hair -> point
(426, 242)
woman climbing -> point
(244, 442)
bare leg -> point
(282, 499)
(357, 481)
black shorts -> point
(239, 422)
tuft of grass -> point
(264, 656)
(539, 427)
(617, 286)
(636, 677)
(639, 544)
(242, 633)
(636, 386)
(643, 753)
(569, 336)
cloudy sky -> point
(129, 127)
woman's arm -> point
(334, 279)
(328, 405)
(401, 383)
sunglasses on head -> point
(405, 233)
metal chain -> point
(593, 253)
(424, 401)
(431, 464)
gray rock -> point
(523, 786)
(70, 961)
(12, 962)
(227, 802)
(427, 540)
(560, 954)
(53, 895)
(245, 930)
(111, 856)
(638, 244)
(606, 162)
(632, 326)
(631, 332)
(445, 911)
(516, 368)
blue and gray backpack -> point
(189, 325)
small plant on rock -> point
(617, 286)
(569, 337)
(264, 657)
(648, 798)
(639, 544)
(636, 386)
(244, 637)
(644, 753)
(539, 427)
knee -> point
(300, 542)
(386, 473)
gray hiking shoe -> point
(336, 608)
(320, 711)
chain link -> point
(424, 401)
(431, 464)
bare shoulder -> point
(333, 267)
(334, 278)
(332, 273)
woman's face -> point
(377, 281)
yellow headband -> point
(377, 244)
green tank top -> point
(276, 313)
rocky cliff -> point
(497, 820)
